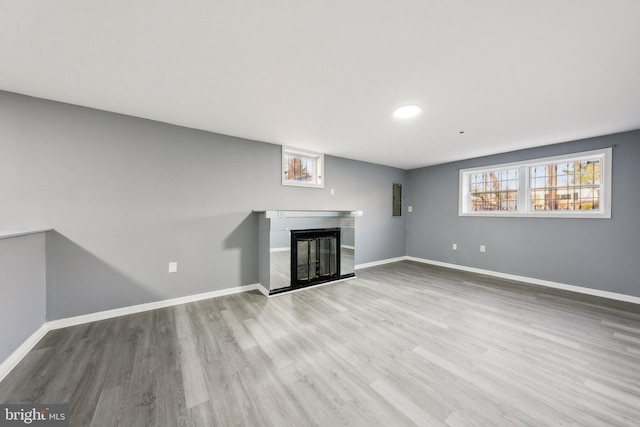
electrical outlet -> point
(333, 192)
(483, 248)
(454, 247)
(410, 208)
(173, 267)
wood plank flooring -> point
(403, 344)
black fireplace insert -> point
(315, 256)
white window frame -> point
(524, 190)
(318, 177)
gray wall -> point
(126, 196)
(594, 253)
(22, 285)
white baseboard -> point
(263, 290)
(556, 285)
(381, 262)
(15, 357)
(108, 314)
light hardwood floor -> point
(403, 344)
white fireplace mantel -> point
(308, 213)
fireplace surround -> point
(297, 249)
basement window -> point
(575, 185)
(302, 168)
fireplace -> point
(298, 249)
(315, 256)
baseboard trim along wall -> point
(546, 283)
(381, 262)
(15, 357)
(108, 314)
(263, 290)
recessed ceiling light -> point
(407, 111)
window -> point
(302, 168)
(570, 186)
(494, 190)
(566, 186)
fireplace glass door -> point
(315, 256)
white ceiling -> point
(326, 75)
